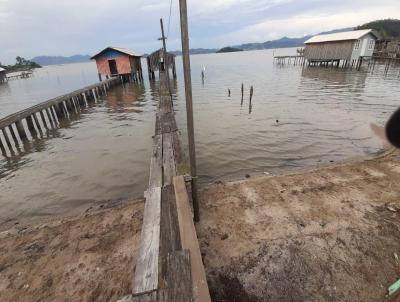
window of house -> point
(371, 44)
(357, 45)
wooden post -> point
(14, 136)
(21, 130)
(166, 67)
(44, 120)
(251, 93)
(3, 149)
(7, 139)
(189, 105)
(242, 92)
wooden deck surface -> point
(169, 265)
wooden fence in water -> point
(169, 266)
(34, 121)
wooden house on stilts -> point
(3, 76)
(156, 61)
(349, 47)
(116, 61)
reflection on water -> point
(98, 154)
(104, 151)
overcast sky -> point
(65, 27)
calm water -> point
(103, 154)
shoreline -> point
(250, 230)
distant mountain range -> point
(280, 43)
(389, 28)
(55, 60)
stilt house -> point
(116, 61)
(156, 61)
(3, 77)
(350, 46)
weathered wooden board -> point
(189, 241)
(169, 233)
(146, 274)
(179, 277)
(169, 166)
(165, 122)
(145, 297)
(156, 169)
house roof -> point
(343, 36)
(119, 49)
(2, 69)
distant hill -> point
(55, 60)
(279, 43)
(229, 49)
(285, 41)
(387, 28)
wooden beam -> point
(146, 274)
(189, 241)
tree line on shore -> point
(21, 64)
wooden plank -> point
(189, 241)
(168, 122)
(146, 274)
(155, 179)
(169, 233)
(179, 277)
(181, 163)
(145, 297)
(169, 166)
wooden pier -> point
(21, 75)
(169, 266)
(18, 128)
(295, 60)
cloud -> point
(47, 27)
(308, 23)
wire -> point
(169, 18)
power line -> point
(169, 18)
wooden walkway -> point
(33, 122)
(298, 59)
(169, 265)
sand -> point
(88, 257)
(328, 234)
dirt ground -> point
(328, 234)
(89, 257)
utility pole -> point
(189, 105)
(165, 54)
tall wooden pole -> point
(189, 105)
(165, 54)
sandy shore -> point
(328, 234)
(89, 257)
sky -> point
(30, 28)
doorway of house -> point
(113, 67)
